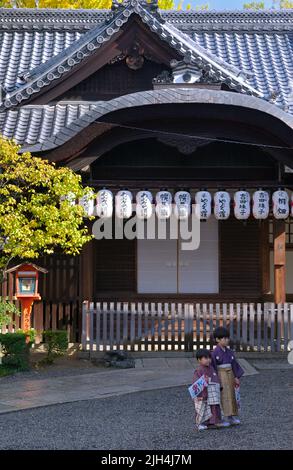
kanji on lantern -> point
(163, 204)
(222, 202)
(242, 205)
(87, 203)
(182, 205)
(144, 207)
(204, 201)
(261, 204)
(104, 208)
(123, 204)
(280, 204)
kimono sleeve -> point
(237, 369)
(214, 361)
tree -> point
(163, 4)
(36, 214)
(254, 6)
(282, 4)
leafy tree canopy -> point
(36, 215)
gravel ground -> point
(160, 419)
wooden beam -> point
(265, 256)
(280, 260)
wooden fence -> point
(50, 316)
(185, 327)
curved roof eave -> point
(157, 97)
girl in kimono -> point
(207, 402)
(229, 371)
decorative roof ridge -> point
(83, 19)
(41, 76)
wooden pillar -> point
(280, 260)
(265, 256)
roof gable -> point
(54, 69)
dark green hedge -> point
(16, 350)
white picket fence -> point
(159, 326)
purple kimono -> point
(226, 356)
(209, 372)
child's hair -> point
(202, 353)
(220, 333)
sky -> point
(223, 4)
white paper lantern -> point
(222, 202)
(123, 204)
(144, 207)
(182, 205)
(242, 205)
(70, 197)
(291, 205)
(261, 204)
(280, 204)
(87, 202)
(104, 208)
(204, 201)
(163, 204)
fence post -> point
(84, 325)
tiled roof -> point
(41, 76)
(261, 42)
(228, 44)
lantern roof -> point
(16, 268)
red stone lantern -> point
(27, 277)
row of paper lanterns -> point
(244, 204)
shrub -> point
(56, 344)
(16, 350)
(7, 309)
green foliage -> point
(56, 344)
(30, 333)
(254, 6)
(106, 4)
(33, 219)
(15, 350)
(285, 4)
(7, 309)
(5, 371)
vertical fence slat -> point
(211, 324)
(179, 313)
(166, 324)
(259, 324)
(251, 326)
(204, 315)
(118, 325)
(125, 325)
(132, 326)
(285, 322)
(98, 326)
(272, 325)
(159, 326)
(279, 326)
(139, 325)
(173, 321)
(244, 326)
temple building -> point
(163, 107)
